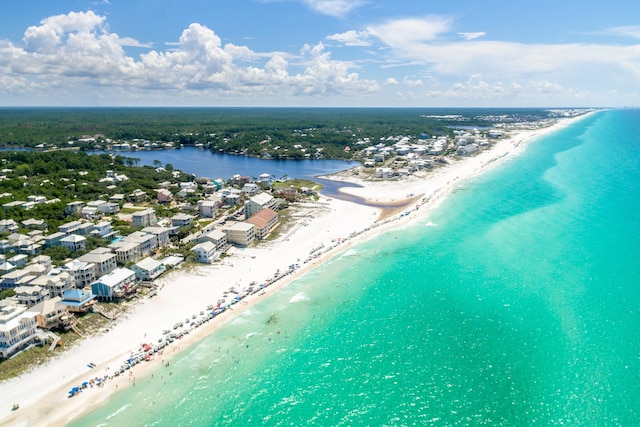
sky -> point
(320, 53)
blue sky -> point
(304, 53)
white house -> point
(206, 252)
(148, 269)
(114, 285)
(259, 202)
(18, 329)
(74, 242)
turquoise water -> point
(521, 307)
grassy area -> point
(298, 184)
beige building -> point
(240, 233)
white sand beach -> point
(42, 393)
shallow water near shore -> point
(516, 302)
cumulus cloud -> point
(391, 81)
(77, 52)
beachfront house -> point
(258, 202)
(207, 208)
(83, 273)
(31, 295)
(55, 284)
(114, 285)
(18, 329)
(240, 233)
(264, 221)
(206, 252)
(103, 259)
(148, 269)
(51, 314)
(78, 300)
(217, 237)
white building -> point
(206, 252)
(240, 233)
(148, 269)
(18, 329)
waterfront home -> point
(264, 221)
(148, 269)
(259, 202)
(147, 242)
(78, 300)
(74, 242)
(51, 314)
(126, 251)
(217, 237)
(102, 258)
(206, 252)
(83, 273)
(144, 218)
(55, 284)
(240, 233)
(114, 285)
(289, 194)
(18, 329)
(31, 295)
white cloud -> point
(472, 36)
(337, 8)
(391, 81)
(406, 33)
(630, 31)
(411, 82)
(75, 53)
(352, 38)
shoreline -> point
(42, 394)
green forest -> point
(261, 132)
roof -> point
(262, 198)
(240, 226)
(73, 238)
(205, 246)
(148, 264)
(116, 277)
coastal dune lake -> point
(515, 303)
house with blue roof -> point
(78, 300)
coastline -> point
(335, 226)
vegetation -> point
(265, 132)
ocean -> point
(514, 303)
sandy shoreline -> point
(331, 226)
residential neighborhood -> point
(114, 248)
